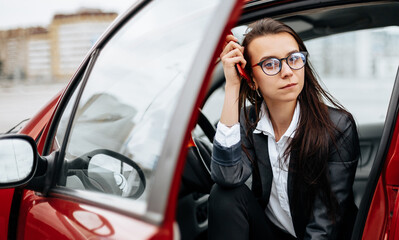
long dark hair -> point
(315, 130)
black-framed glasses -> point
(272, 66)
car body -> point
(136, 96)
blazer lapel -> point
(263, 162)
(293, 200)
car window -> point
(358, 68)
(124, 112)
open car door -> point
(378, 216)
(116, 143)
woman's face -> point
(286, 85)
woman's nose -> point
(286, 71)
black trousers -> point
(234, 213)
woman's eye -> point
(271, 64)
(293, 58)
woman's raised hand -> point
(232, 54)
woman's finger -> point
(230, 72)
(232, 61)
(230, 38)
(230, 47)
(233, 53)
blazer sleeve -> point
(342, 164)
(230, 166)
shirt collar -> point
(265, 124)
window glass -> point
(358, 68)
(59, 137)
(123, 115)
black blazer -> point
(231, 167)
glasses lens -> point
(296, 60)
(271, 66)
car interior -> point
(310, 25)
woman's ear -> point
(255, 87)
(254, 84)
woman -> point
(285, 165)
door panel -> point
(5, 203)
(394, 228)
(382, 214)
(369, 140)
(52, 218)
(392, 166)
(376, 218)
(391, 181)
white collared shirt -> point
(278, 209)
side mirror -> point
(119, 172)
(18, 160)
(104, 170)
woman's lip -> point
(289, 85)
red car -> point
(109, 156)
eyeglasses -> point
(272, 66)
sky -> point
(30, 13)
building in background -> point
(72, 35)
(39, 56)
(13, 58)
(51, 54)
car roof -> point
(312, 19)
(322, 23)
